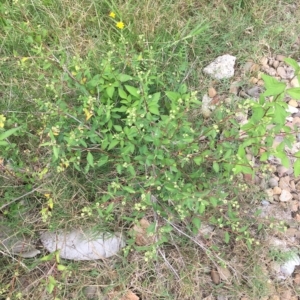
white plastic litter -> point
(79, 245)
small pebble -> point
(293, 103)
(294, 82)
(276, 190)
(212, 92)
(254, 68)
(253, 80)
(275, 64)
(264, 61)
(260, 82)
(285, 196)
(280, 57)
(281, 72)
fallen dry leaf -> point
(130, 296)
(142, 238)
(215, 276)
(297, 279)
(224, 273)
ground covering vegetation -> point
(101, 127)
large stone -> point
(222, 67)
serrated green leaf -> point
(8, 133)
(201, 208)
(102, 161)
(124, 77)
(273, 86)
(118, 128)
(213, 201)
(129, 189)
(153, 108)
(122, 93)
(55, 152)
(216, 167)
(132, 90)
(173, 96)
(292, 63)
(90, 159)
(264, 156)
(110, 91)
(284, 159)
(294, 93)
(198, 160)
(113, 144)
(257, 114)
(197, 223)
(297, 167)
(154, 98)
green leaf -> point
(227, 237)
(90, 159)
(132, 90)
(153, 108)
(198, 160)
(264, 156)
(292, 63)
(284, 159)
(297, 167)
(122, 93)
(197, 223)
(51, 284)
(118, 128)
(257, 114)
(113, 144)
(294, 93)
(273, 86)
(201, 208)
(173, 96)
(154, 98)
(216, 167)
(3, 143)
(124, 77)
(8, 133)
(213, 201)
(110, 91)
(280, 114)
(55, 152)
(102, 161)
(61, 267)
(129, 189)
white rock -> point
(288, 267)
(295, 82)
(222, 67)
(292, 110)
(79, 245)
(206, 100)
(285, 196)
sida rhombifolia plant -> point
(120, 117)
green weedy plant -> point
(119, 117)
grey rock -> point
(255, 91)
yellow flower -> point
(2, 121)
(120, 25)
(112, 15)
